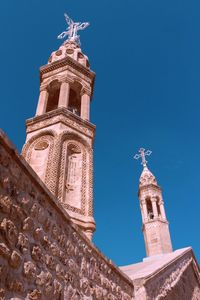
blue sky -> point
(146, 55)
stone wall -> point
(43, 255)
(178, 281)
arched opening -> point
(149, 208)
(73, 177)
(39, 156)
(54, 92)
(75, 98)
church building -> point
(46, 204)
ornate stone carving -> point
(62, 119)
(74, 144)
(34, 150)
(52, 260)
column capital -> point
(44, 87)
(86, 91)
(66, 79)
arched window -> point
(39, 157)
(73, 177)
(149, 208)
(75, 98)
(54, 92)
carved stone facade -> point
(59, 142)
(154, 222)
(46, 216)
(43, 255)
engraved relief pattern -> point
(67, 121)
(43, 256)
(62, 184)
(43, 143)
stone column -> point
(162, 210)
(144, 209)
(142, 213)
(42, 102)
(85, 105)
(64, 94)
(154, 206)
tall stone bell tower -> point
(59, 140)
(154, 222)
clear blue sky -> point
(146, 54)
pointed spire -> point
(155, 225)
(146, 177)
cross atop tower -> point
(143, 154)
(155, 225)
(72, 30)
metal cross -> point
(142, 154)
(72, 30)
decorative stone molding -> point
(44, 255)
(64, 116)
(43, 87)
(67, 61)
(65, 144)
(86, 90)
(67, 79)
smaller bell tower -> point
(154, 222)
(60, 137)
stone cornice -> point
(67, 61)
(64, 116)
(147, 187)
(158, 219)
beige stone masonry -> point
(42, 102)
(155, 226)
(64, 94)
(172, 276)
(59, 141)
(51, 133)
(43, 255)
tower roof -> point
(147, 178)
(69, 49)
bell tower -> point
(154, 222)
(60, 137)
